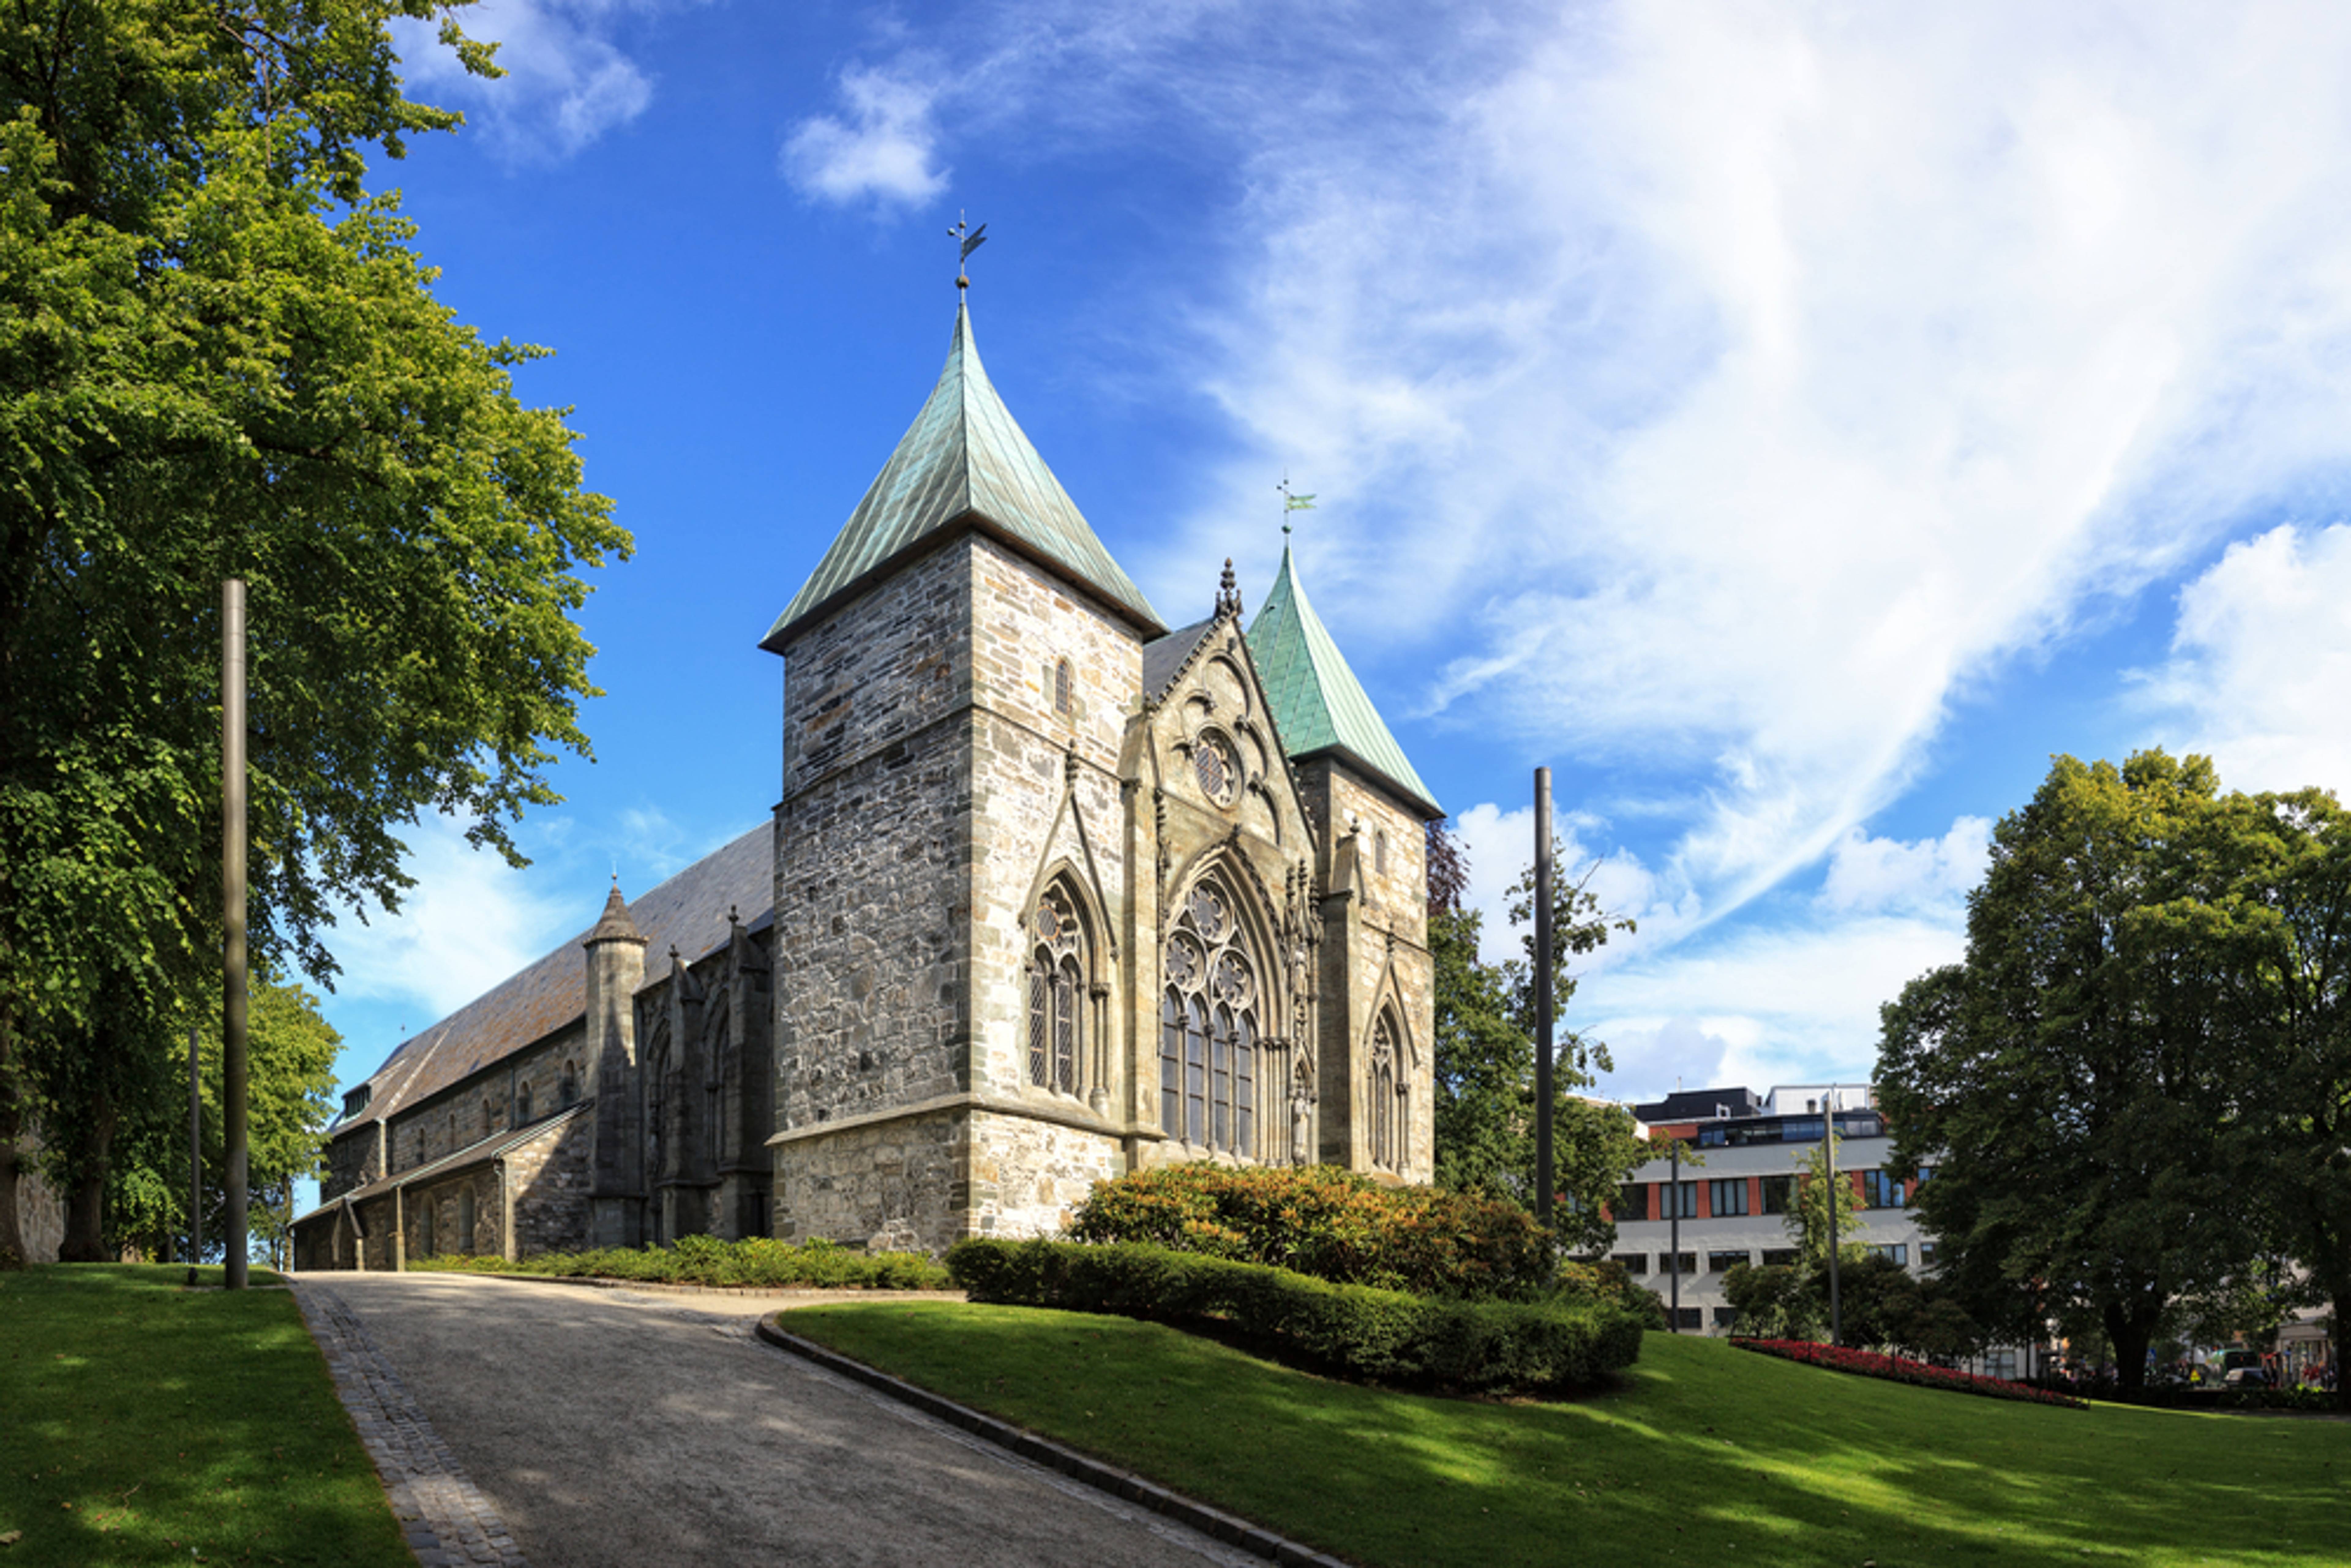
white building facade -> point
(1735, 1208)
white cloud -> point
(567, 78)
(470, 921)
(886, 148)
(1761, 1005)
(1869, 874)
(2261, 663)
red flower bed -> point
(1896, 1369)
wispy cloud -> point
(1752, 380)
(569, 77)
(470, 921)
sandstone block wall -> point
(40, 1212)
(549, 1180)
(894, 1184)
(1028, 1176)
(1029, 813)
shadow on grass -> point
(1698, 1454)
(141, 1422)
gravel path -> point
(566, 1426)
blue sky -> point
(1789, 423)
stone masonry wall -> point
(872, 902)
(1375, 945)
(1024, 624)
(890, 1185)
(1028, 1176)
(40, 1213)
(549, 1178)
(490, 1101)
(437, 1216)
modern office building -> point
(1682, 1225)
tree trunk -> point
(85, 1238)
(2130, 1335)
(12, 1127)
(2335, 1350)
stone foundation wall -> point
(549, 1181)
(1028, 1177)
(40, 1212)
(895, 1185)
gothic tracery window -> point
(1209, 1029)
(1058, 967)
(1385, 1093)
(1214, 765)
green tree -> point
(2070, 1080)
(290, 1070)
(1807, 1220)
(220, 357)
(2283, 920)
(1486, 1062)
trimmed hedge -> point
(707, 1261)
(1352, 1331)
(1330, 1223)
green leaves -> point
(220, 357)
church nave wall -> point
(895, 1184)
(1029, 1176)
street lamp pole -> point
(1543, 1172)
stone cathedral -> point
(1054, 893)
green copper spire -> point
(965, 461)
(1318, 705)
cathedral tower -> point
(957, 673)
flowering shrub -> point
(1898, 1369)
(1329, 1223)
(707, 1261)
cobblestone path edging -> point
(448, 1523)
(1230, 1529)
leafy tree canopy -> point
(1486, 1061)
(219, 356)
(2072, 1079)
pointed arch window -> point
(1061, 967)
(1064, 679)
(568, 1091)
(1209, 1041)
(1385, 1097)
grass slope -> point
(142, 1423)
(1699, 1455)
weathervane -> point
(1290, 503)
(970, 239)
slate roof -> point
(1318, 704)
(1164, 658)
(688, 911)
(964, 462)
(478, 1152)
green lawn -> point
(144, 1423)
(1701, 1454)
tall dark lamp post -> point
(1543, 1172)
(232, 896)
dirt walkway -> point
(639, 1429)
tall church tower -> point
(957, 673)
